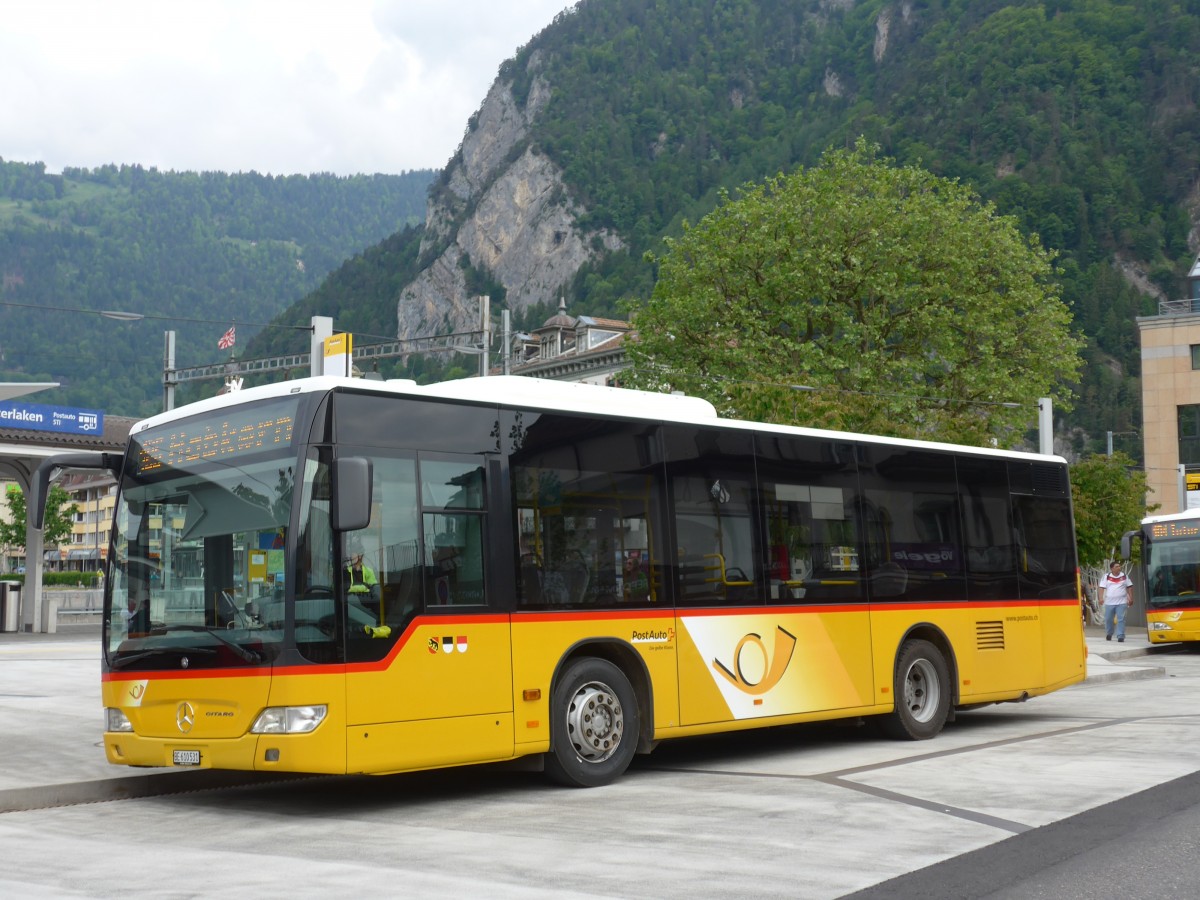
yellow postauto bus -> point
(346, 576)
(1170, 575)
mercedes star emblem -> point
(185, 717)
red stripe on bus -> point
(571, 616)
(592, 615)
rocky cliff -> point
(503, 210)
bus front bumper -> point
(250, 753)
(1173, 632)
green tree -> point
(1109, 496)
(59, 512)
(899, 301)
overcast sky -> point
(277, 86)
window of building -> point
(1195, 356)
(1189, 434)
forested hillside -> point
(1078, 117)
(227, 248)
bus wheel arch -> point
(924, 685)
(599, 715)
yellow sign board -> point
(337, 354)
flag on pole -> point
(228, 338)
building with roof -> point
(565, 348)
(21, 452)
(29, 433)
(1170, 344)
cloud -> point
(278, 87)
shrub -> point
(61, 579)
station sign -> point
(60, 419)
(1192, 485)
(338, 352)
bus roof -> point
(562, 396)
(1172, 517)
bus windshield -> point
(199, 549)
(1173, 571)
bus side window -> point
(454, 559)
(452, 498)
(1046, 544)
(913, 525)
(376, 615)
(586, 496)
(987, 529)
(715, 536)
(808, 506)
(718, 541)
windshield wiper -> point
(241, 652)
(124, 661)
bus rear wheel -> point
(594, 725)
(921, 686)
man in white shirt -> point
(1115, 588)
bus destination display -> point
(236, 433)
(1174, 531)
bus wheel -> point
(593, 725)
(921, 686)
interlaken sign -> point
(61, 419)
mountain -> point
(624, 117)
(194, 252)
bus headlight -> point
(115, 720)
(1160, 626)
(288, 719)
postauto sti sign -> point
(60, 419)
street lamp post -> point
(1046, 426)
(168, 370)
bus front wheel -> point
(593, 726)
(921, 686)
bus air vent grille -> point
(989, 635)
(1050, 480)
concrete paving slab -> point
(1127, 660)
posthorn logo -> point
(772, 665)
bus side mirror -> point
(1127, 544)
(352, 478)
(39, 485)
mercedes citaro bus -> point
(1170, 575)
(563, 571)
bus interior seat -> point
(531, 581)
(227, 611)
(401, 597)
(889, 580)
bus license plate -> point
(185, 757)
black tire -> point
(921, 686)
(594, 725)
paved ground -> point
(805, 811)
